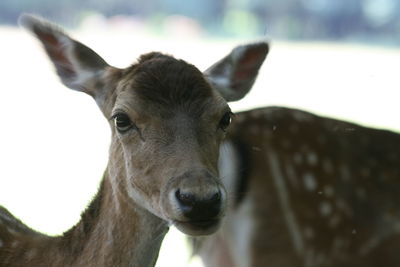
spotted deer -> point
(167, 122)
(309, 192)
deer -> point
(167, 121)
(306, 191)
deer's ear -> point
(76, 64)
(234, 75)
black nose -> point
(198, 209)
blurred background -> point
(337, 58)
(370, 21)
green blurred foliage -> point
(372, 21)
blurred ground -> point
(54, 142)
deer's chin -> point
(198, 228)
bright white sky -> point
(54, 142)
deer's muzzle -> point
(195, 202)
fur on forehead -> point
(168, 82)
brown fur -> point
(184, 87)
(347, 215)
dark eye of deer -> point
(225, 121)
(123, 123)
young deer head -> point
(167, 120)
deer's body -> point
(310, 191)
(167, 121)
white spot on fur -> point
(30, 254)
(309, 182)
(329, 191)
(14, 244)
(345, 173)
(11, 231)
(309, 233)
(371, 244)
(325, 208)
(312, 158)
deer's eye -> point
(225, 121)
(123, 123)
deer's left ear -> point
(76, 64)
(234, 75)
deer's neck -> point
(114, 231)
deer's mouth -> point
(198, 227)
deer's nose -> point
(199, 208)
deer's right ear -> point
(234, 75)
(77, 65)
